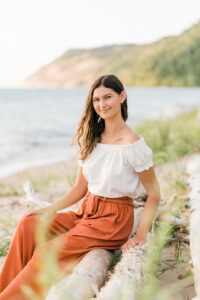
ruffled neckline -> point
(121, 145)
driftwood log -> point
(193, 169)
(86, 279)
(127, 274)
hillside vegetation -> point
(171, 61)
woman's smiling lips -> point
(104, 110)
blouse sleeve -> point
(140, 156)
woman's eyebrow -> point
(103, 96)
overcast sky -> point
(35, 32)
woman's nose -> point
(102, 103)
(102, 107)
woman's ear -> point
(123, 96)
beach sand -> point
(50, 182)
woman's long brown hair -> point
(91, 125)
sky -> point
(35, 32)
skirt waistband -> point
(92, 201)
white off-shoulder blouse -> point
(111, 169)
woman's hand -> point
(132, 242)
(40, 211)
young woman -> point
(115, 166)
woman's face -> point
(107, 102)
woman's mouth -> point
(104, 110)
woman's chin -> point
(106, 115)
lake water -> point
(36, 125)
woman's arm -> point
(76, 193)
(150, 182)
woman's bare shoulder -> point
(131, 135)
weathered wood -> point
(193, 169)
(86, 279)
(31, 197)
(127, 273)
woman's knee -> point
(45, 250)
(28, 222)
(27, 218)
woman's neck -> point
(115, 130)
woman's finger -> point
(31, 211)
(129, 244)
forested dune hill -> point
(171, 61)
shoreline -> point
(48, 180)
(12, 171)
(7, 171)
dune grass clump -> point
(165, 233)
(4, 247)
(172, 138)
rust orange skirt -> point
(100, 222)
(109, 221)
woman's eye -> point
(95, 100)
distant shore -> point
(43, 176)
